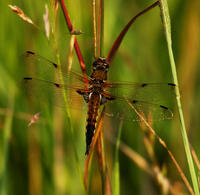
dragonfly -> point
(94, 91)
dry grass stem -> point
(136, 158)
(194, 155)
(165, 146)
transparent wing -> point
(42, 68)
(47, 88)
(159, 93)
(48, 92)
(152, 112)
(52, 93)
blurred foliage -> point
(39, 159)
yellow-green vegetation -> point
(49, 156)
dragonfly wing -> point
(42, 68)
(159, 93)
(51, 93)
(121, 109)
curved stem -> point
(119, 39)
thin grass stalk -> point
(94, 27)
(101, 160)
(106, 185)
(66, 103)
(139, 160)
(5, 146)
(195, 157)
(101, 23)
(134, 156)
(165, 146)
(99, 145)
(167, 29)
(100, 31)
(116, 171)
(76, 45)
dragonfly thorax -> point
(97, 89)
(100, 69)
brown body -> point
(93, 108)
(95, 97)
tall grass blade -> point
(5, 145)
(167, 29)
(116, 171)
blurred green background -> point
(40, 159)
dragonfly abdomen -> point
(93, 108)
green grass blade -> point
(167, 29)
(116, 171)
(5, 146)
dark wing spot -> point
(55, 65)
(134, 101)
(30, 52)
(57, 85)
(143, 85)
(110, 98)
(172, 84)
(80, 92)
(164, 107)
(27, 78)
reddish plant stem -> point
(70, 27)
(119, 39)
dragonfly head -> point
(100, 64)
